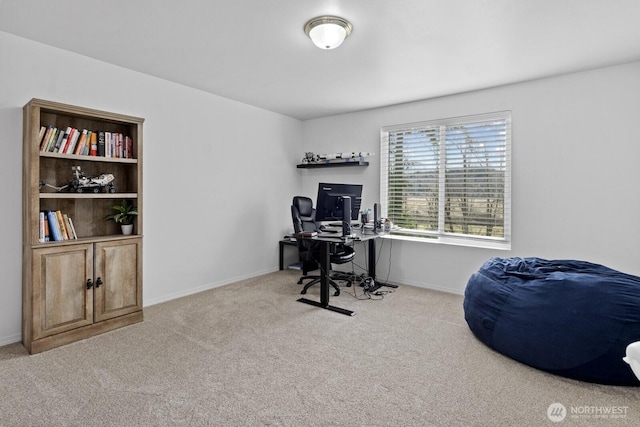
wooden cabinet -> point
(76, 288)
(61, 300)
(117, 278)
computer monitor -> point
(329, 204)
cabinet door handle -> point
(98, 282)
(89, 284)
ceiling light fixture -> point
(328, 32)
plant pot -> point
(127, 228)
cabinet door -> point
(118, 266)
(61, 300)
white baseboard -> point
(11, 339)
(430, 286)
(423, 285)
(206, 287)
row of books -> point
(85, 142)
(56, 226)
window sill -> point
(456, 241)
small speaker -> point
(376, 216)
(346, 216)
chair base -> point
(346, 277)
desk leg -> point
(325, 261)
(372, 268)
(281, 254)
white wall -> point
(575, 172)
(216, 194)
(232, 168)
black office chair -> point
(304, 219)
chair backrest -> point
(304, 219)
(303, 214)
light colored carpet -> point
(249, 354)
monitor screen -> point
(329, 202)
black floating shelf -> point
(330, 165)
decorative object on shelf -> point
(328, 32)
(124, 216)
(81, 184)
(127, 229)
(324, 159)
(99, 184)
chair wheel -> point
(337, 293)
(304, 291)
(300, 282)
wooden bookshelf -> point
(76, 288)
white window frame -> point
(440, 235)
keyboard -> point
(331, 229)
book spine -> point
(73, 140)
(52, 139)
(41, 228)
(94, 144)
(73, 229)
(56, 143)
(63, 142)
(129, 147)
(107, 144)
(67, 226)
(63, 228)
(43, 131)
(54, 226)
(87, 146)
(45, 137)
(82, 140)
(101, 143)
(120, 145)
(47, 233)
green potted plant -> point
(125, 213)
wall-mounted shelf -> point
(329, 165)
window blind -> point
(448, 178)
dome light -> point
(328, 32)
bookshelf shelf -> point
(88, 196)
(87, 280)
(87, 158)
(92, 239)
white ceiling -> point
(255, 51)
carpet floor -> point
(249, 354)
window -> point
(449, 180)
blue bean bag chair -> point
(570, 318)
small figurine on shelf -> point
(81, 184)
(352, 157)
(99, 184)
(309, 157)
